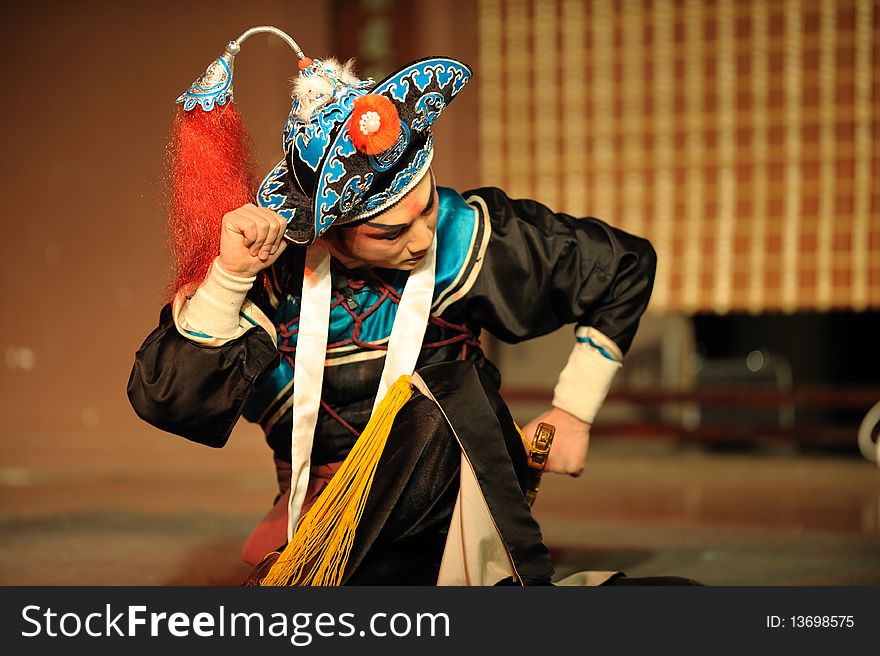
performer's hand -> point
(252, 238)
(569, 450)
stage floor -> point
(144, 508)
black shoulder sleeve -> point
(195, 391)
(543, 269)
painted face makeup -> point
(395, 239)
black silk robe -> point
(537, 271)
(511, 267)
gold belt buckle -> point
(539, 450)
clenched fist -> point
(569, 450)
(252, 238)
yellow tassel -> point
(522, 435)
(322, 543)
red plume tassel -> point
(210, 172)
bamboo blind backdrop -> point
(740, 136)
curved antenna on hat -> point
(234, 46)
(214, 86)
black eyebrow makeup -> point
(427, 209)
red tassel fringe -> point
(209, 171)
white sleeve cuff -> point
(213, 309)
(218, 311)
(586, 378)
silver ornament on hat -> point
(214, 86)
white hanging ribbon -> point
(404, 346)
(410, 322)
(311, 351)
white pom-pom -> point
(343, 72)
(312, 92)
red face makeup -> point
(395, 239)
